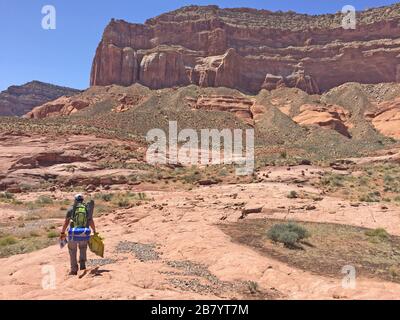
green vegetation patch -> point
(290, 234)
(329, 247)
(367, 183)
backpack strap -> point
(73, 214)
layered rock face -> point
(18, 100)
(121, 98)
(332, 117)
(63, 106)
(250, 49)
(386, 118)
(240, 106)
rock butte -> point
(250, 49)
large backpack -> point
(80, 216)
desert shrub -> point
(363, 181)
(123, 202)
(287, 233)
(100, 209)
(292, 195)
(394, 271)
(142, 196)
(379, 233)
(333, 180)
(52, 234)
(34, 234)
(253, 287)
(127, 199)
(6, 196)
(31, 217)
(132, 178)
(26, 187)
(44, 200)
(191, 178)
(371, 197)
(388, 179)
(65, 202)
(107, 197)
(7, 240)
(391, 184)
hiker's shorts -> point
(73, 250)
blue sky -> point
(64, 56)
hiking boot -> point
(73, 273)
(82, 266)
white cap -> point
(79, 197)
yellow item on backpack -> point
(96, 245)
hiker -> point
(79, 218)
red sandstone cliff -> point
(250, 49)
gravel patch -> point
(143, 252)
(204, 282)
(99, 262)
(192, 285)
(194, 269)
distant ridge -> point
(18, 100)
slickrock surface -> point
(173, 249)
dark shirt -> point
(70, 214)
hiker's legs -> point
(82, 253)
(73, 248)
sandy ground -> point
(182, 226)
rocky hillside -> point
(250, 49)
(18, 100)
(345, 120)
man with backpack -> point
(79, 218)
